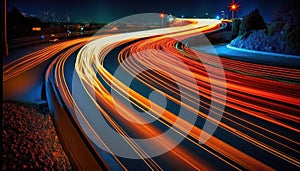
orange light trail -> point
(254, 93)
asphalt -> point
(14, 54)
(32, 91)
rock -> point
(28, 140)
(260, 41)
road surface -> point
(256, 129)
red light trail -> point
(262, 108)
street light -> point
(233, 7)
(4, 45)
(222, 13)
(162, 15)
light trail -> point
(255, 111)
(58, 64)
(145, 77)
(33, 59)
(146, 60)
(109, 104)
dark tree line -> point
(18, 24)
(287, 21)
(252, 21)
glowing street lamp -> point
(162, 15)
(233, 7)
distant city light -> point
(115, 28)
(36, 28)
(170, 18)
(218, 17)
(222, 13)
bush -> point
(252, 21)
(274, 27)
(235, 27)
(288, 13)
(280, 36)
(292, 35)
(258, 40)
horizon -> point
(103, 11)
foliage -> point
(252, 21)
(280, 36)
(288, 13)
(273, 28)
(288, 21)
(292, 35)
(235, 27)
(18, 24)
(260, 41)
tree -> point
(235, 27)
(287, 19)
(15, 21)
(288, 13)
(292, 35)
(18, 24)
(252, 21)
(274, 27)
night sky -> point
(110, 10)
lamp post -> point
(4, 31)
(233, 7)
(162, 15)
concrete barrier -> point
(82, 154)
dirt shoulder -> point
(29, 139)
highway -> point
(151, 103)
